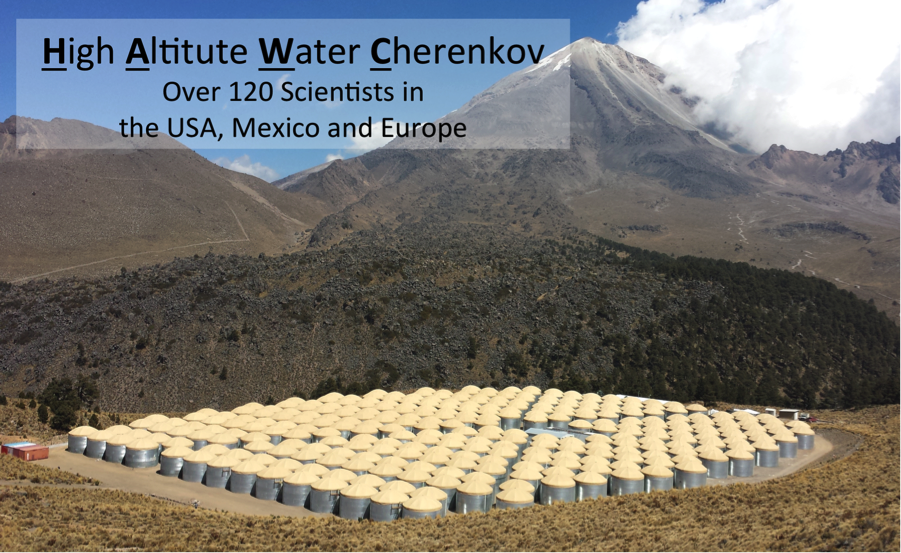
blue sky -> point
(597, 19)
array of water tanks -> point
(389, 455)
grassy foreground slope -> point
(850, 504)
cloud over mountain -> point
(813, 75)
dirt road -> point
(148, 482)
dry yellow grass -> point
(12, 468)
(848, 504)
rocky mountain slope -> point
(641, 170)
(88, 211)
(447, 304)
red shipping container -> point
(32, 452)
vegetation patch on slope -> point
(446, 305)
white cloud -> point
(333, 157)
(810, 74)
(282, 80)
(244, 165)
(376, 140)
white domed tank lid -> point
(369, 480)
(628, 471)
(739, 455)
(414, 476)
(250, 466)
(422, 504)
(240, 454)
(517, 496)
(433, 493)
(527, 474)
(283, 450)
(691, 465)
(217, 449)
(332, 459)
(143, 444)
(259, 446)
(657, 471)
(399, 485)
(178, 442)
(330, 484)
(514, 484)
(475, 487)
(265, 459)
(301, 479)
(558, 481)
(359, 491)
(224, 461)
(711, 454)
(177, 452)
(274, 473)
(200, 457)
(289, 464)
(341, 474)
(590, 478)
(83, 431)
(675, 408)
(444, 481)
(390, 497)
(316, 470)
(223, 439)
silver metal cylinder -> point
(508, 422)
(198, 444)
(241, 483)
(451, 502)
(354, 508)
(95, 449)
(767, 458)
(716, 469)
(688, 480)
(382, 512)
(296, 496)
(788, 450)
(217, 477)
(469, 503)
(112, 453)
(618, 486)
(551, 495)
(77, 444)
(276, 439)
(324, 501)
(526, 425)
(741, 467)
(652, 483)
(193, 472)
(171, 466)
(590, 491)
(444, 506)
(141, 458)
(407, 513)
(537, 485)
(267, 488)
(558, 425)
(805, 441)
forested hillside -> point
(447, 305)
